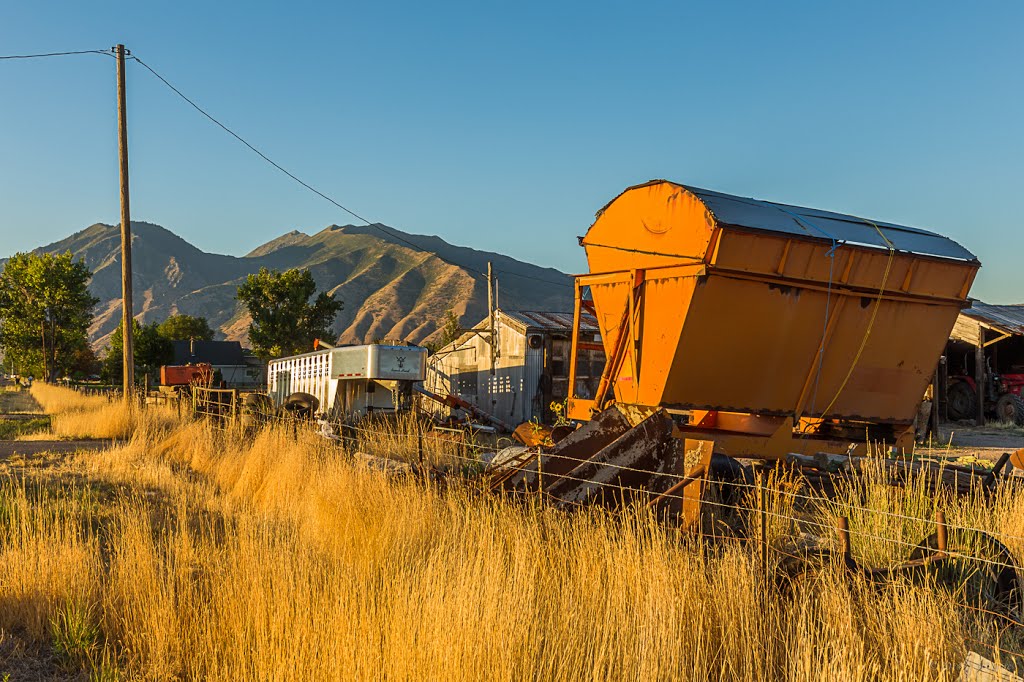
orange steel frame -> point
(737, 434)
(742, 330)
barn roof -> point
(1008, 319)
(527, 320)
(213, 352)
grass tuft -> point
(189, 553)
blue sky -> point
(506, 126)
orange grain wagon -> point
(762, 327)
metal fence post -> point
(540, 477)
(843, 530)
(941, 531)
(764, 526)
(419, 442)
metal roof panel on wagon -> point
(756, 214)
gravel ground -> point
(983, 442)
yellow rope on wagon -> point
(871, 322)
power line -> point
(352, 213)
(54, 54)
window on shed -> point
(560, 357)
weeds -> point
(12, 429)
(213, 555)
(78, 416)
(75, 632)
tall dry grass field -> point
(190, 553)
(78, 416)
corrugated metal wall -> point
(466, 373)
(533, 398)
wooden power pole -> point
(493, 386)
(126, 229)
(490, 315)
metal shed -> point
(530, 359)
(986, 352)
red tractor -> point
(1002, 397)
(180, 377)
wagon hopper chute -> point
(755, 329)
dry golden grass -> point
(78, 416)
(189, 553)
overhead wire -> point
(378, 226)
(55, 54)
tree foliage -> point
(284, 322)
(183, 327)
(45, 311)
(450, 331)
(152, 349)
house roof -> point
(213, 352)
(1008, 319)
(527, 320)
(755, 214)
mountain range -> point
(394, 285)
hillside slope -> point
(390, 289)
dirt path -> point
(20, 406)
(10, 448)
(17, 402)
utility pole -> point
(490, 314)
(126, 228)
(493, 387)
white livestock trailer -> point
(350, 381)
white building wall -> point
(465, 372)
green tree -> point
(284, 322)
(183, 327)
(152, 350)
(45, 311)
(450, 331)
(83, 363)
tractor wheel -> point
(1010, 408)
(727, 470)
(980, 571)
(961, 403)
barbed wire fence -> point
(226, 410)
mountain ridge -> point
(394, 284)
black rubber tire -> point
(301, 403)
(257, 402)
(961, 401)
(981, 571)
(1010, 408)
(728, 470)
